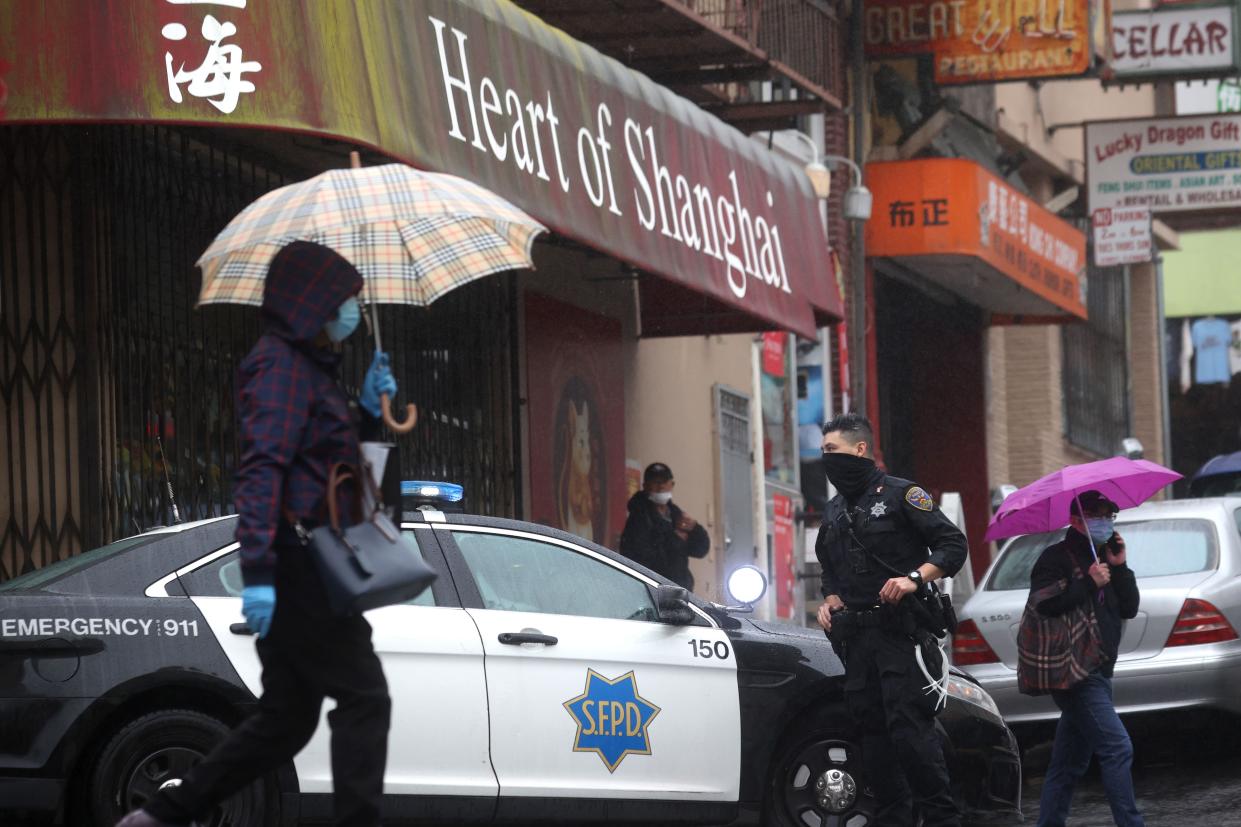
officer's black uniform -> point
(896, 521)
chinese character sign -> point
(948, 211)
(220, 76)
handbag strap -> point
(1053, 589)
(341, 472)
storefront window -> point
(779, 422)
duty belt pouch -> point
(368, 564)
(842, 630)
(939, 607)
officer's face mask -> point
(1101, 529)
(346, 321)
(848, 472)
(660, 497)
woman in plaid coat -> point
(296, 423)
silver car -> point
(1182, 649)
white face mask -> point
(660, 497)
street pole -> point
(1165, 400)
(857, 256)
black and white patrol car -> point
(541, 678)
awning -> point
(477, 88)
(958, 225)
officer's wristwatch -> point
(915, 576)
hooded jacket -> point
(295, 420)
(650, 539)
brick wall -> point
(1026, 406)
(1033, 400)
(1025, 410)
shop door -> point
(736, 460)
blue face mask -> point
(1101, 528)
(346, 321)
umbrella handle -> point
(411, 416)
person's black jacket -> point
(892, 528)
(1120, 595)
(650, 538)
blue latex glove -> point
(258, 604)
(378, 381)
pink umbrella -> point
(1043, 505)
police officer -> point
(873, 550)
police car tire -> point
(171, 729)
(814, 728)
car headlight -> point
(972, 693)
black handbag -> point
(368, 564)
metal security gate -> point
(111, 382)
(1097, 413)
(736, 463)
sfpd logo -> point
(612, 718)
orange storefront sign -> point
(958, 224)
(978, 41)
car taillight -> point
(1200, 622)
(969, 647)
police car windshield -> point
(47, 574)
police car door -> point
(433, 661)
(590, 696)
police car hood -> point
(789, 630)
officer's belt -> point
(869, 617)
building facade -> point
(675, 240)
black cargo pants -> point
(308, 655)
(895, 720)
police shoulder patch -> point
(919, 499)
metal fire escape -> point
(720, 53)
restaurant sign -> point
(476, 88)
(1174, 42)
(981, 41)
(953, 215)
(1169, 165)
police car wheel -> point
(817, 781)
(157, 750)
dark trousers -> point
(1089, 726)
(308, 655)
(900, 748)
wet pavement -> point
(1183, 775)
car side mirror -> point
(672, 603)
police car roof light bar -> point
(428, 491)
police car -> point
(541, 678)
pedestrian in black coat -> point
(658, 534)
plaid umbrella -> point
(413, 235)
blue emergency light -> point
(431, 492)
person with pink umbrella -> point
(1088, 570)
(1081, 592)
